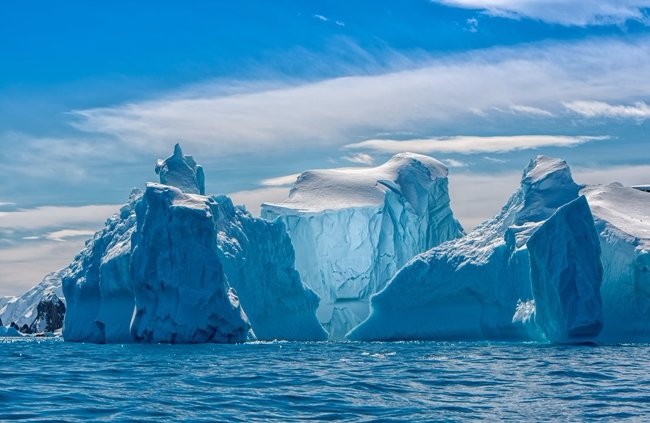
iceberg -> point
(566, 275)
(622, 217)
(180, 267)
(97, 285)
(9, 332)
(258, 258)
(180, 290)
(489, 285)
(353, 228)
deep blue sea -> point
(48, 379)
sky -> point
(92, 93)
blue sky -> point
(91, 94)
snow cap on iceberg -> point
(182, 172)
(333, 189)
(546, 185)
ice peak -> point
(542, 167)
(181, 172)
(545, 185)
(407, 160)
(178, 152)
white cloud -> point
(594, 109)
(494, 159)
(528, 110)
(321, 18)
(432, 93)
(564, 12)
(39, 218)
(280, 181)
(24, 265)
(626, 175)
(64, 234)
(472, 25)
(360, 158)
(472, 144)
(455, 163)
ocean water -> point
(48, 379)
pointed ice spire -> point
(181, 172)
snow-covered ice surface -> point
(622, 217)
(353, 228)
(479, 286)
(163, 269)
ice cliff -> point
(622, 217)
(163, 270)
(353, 228)
(181, 291)
(258, 258)
(517, 276)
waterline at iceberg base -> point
(561, 263)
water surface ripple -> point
(47, 379)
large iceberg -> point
(353, 228)
(181, 292)
(622, 217)
(515, 277)
(164, 268)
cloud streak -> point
(564, 12)
(597, 109)
(360, 158)
(472, 144)
(529, 80)
(39, 218)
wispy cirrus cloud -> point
(563, 12)
(64, 234)
(528, 80)
(360, 158)
(598, 109)
(280, 181)
(472, 144)
(529, 110)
